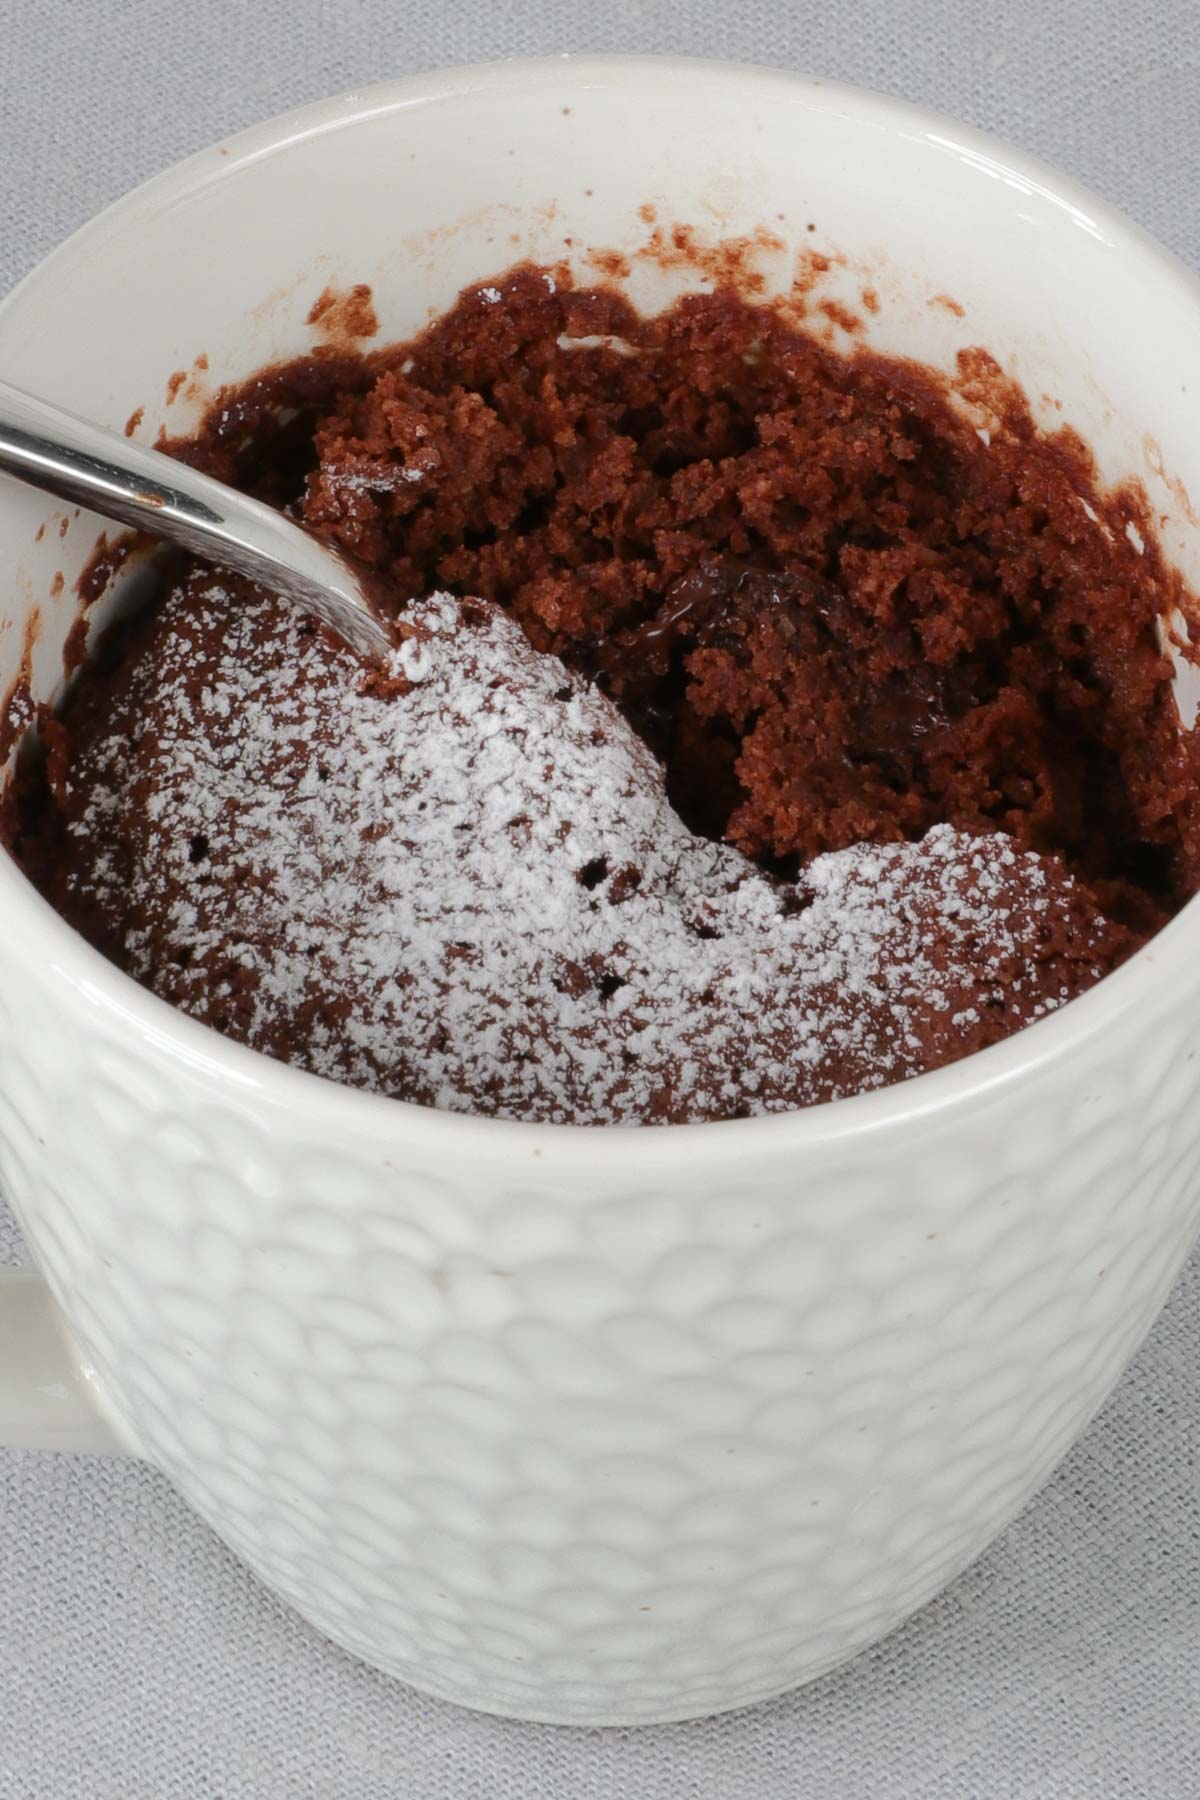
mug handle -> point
(48, 1396)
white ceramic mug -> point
(584, 1425)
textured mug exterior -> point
(595, 1427)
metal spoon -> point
(52, 449)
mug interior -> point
(417, 188)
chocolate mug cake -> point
(756, 734)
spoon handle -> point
(53, 449)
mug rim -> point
(974, 1080)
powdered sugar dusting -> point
(473, 891)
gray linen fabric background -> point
(137, 1661)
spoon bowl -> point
(53, 449)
